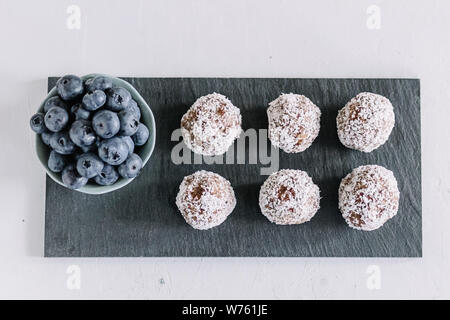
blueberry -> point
(131, 167)
(113, 151)
(37, 123)
(91, 148)
(106, 123)
(55, 101)
(107, 176)
(129, 143)
(133, 107)
(56, 119)
(118, 98)
(98, 83)
(141, 135)
(93, 101)
(69, 87)
(45, 137)
(56, 162)
(82, 134)
(87, 83)
(61, 143)
(128, 123)
(71, 178)
(80, 112)
(89, 165)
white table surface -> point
(230, 38)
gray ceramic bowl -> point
(144, 151)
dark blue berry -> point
(91, 148)
(61, 143)
(82, 134)
(89, 165)
(141, 135)
(80, 112)
(118, 98)
(129, 143)
(69, 87)
(37, 123)
(56, 162)
(107, 176)
(55, 101)
(95, 100)
(113, 151)
(56, 119)
(45, 137)
(128, 123)
(87, 83)
(98, 83)
(106, 123)
(133, 107)
(72, 179)
(131, 167)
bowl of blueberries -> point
(94, 134)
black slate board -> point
(141, 219)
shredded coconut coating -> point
(205, 199)
(294, 122)
(211, 125)
(365, 122)
(289, 197)
(368, 197)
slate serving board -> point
(141, 219)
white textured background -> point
(247, 38)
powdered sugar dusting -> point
(365, 122)
(205, 199)
(294, 122)
(289, 197)
(368, 197)
(211, 125)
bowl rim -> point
(92, 188)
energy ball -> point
(211, 125)
(368, 197)
(365, 122)
(294, 122)
(205, 199)
(289, 197)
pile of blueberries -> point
(92, 129)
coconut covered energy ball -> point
(205, 199)
(211, 125)
(368, 197)
(365, 122)
(294, 122)
(289, 197)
